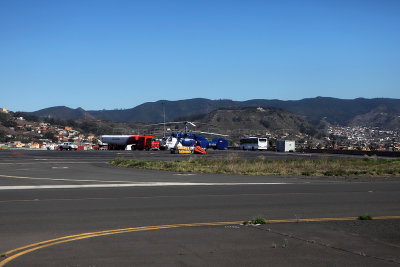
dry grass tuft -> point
(260, 166)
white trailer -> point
(119, 142)
(115, 139)
(285, 146)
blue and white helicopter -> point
(192, 139)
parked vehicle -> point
(119, 142)
(148, 143)
(285, 146)
(68, 146)
(254, 143)
(131, 142)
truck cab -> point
(147, 143)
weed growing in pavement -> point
(365, 217)
(273, 245)
(285, 243)
(256, 220)
(259, 220)
(4, 255)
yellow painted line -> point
(316, 220)
(385, 217)
(331, 219)
(39, 245)
(118, 230)
(73, 236)
(52, 242)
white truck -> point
(68, 146)
(285, 146)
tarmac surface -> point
(77, 210)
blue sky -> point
(119, 54)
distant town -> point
(18, 132)
(40, 135)
(363, 138)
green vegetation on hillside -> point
(261, 166)
(88, 127)
(336, 111)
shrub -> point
(335, 173)
(365, 217)
(259, 220)
(307, 173)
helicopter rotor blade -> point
(211, 133)
(166, 123)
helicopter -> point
(192, 139)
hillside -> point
(153, 111)
(333, 110)
(63, 113)
(381, 116)
(252, 121)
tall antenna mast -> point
(164, 115)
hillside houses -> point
(360, 137)
(23, 132)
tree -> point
(271, 142)
(71, 123)
(333, 143)
(50, 136)
(2, 136)
(26, 116)
(4, 117)
(10, 123)
(265, 123)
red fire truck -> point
(141, 142)
(147, 142)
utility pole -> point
(164, 117)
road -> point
(46, 195)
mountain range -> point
(380, 112)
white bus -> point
(253, 143)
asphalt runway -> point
(100, 215)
